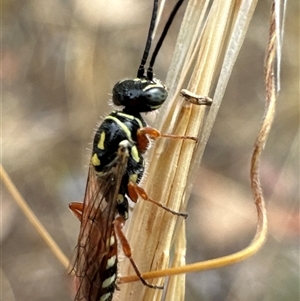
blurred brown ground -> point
(60, 60)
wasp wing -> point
(96, 230)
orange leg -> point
(154, 134)
(134, 191)
(118, 225)
(77, 209)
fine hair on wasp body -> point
(115, 170)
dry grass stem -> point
(266, 124)
(150, 231)
(256, 187)
(32, 217)
(207, 47)
(56, 79)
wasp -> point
(115, 170)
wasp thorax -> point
(140, 95)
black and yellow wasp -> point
(116, 167)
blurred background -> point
(60, 60)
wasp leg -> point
(77, 209)
(134, 191)
(154, 134)
(118, 225)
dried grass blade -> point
(261, 233)
(32, 217)
(151, 230)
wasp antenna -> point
(141, 69)
(162, 38)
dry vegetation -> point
(59, 62)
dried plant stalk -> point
(150, 229)
(32, 217)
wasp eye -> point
(155, 96)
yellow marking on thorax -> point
(95, 160)
(135, 154)
(122, 126)
(125, 115)
(131, 117)
(139, 122)
(133, 178)
(101, 141)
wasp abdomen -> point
(109, 271)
